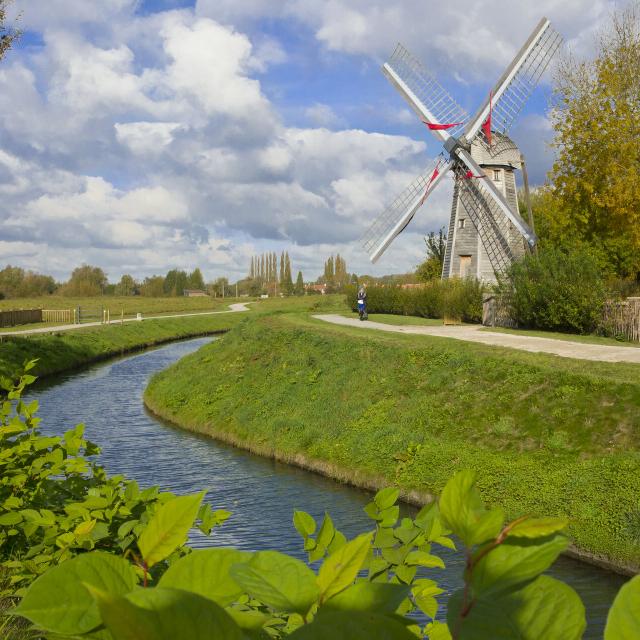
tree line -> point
(89, 281)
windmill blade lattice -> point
(519, 88)
(400, 212)
(494, 228)
(427, 89)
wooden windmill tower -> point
(486, 233)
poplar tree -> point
(299, 288)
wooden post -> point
(527, 198)
(122, 316)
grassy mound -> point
(548, 435)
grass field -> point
(67, 350)
(409, 321)
(547, 435)
(116, 304)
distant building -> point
(195, 293)
(317, 288)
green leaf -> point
(544, 608)
(538, 527)
(623, 622)
(438, 631)
(304, 523)
(424, 594)
(58, 602)
(168, 528)
(279, 581)
(514, 561)
(386, 498)
(206, 572)
(164, 614)
(11, 518)
(376, 597)
(340, 569)
(464, 513)
(424, 560)
(353, 625)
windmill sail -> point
(425, 95)
(518, 82)
(393, 220)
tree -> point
(196, 281)
(287, 283)
(126, 287)
(175, 283)
(8, 33)
(596, 177)
(85, 281)
(220, 286)
(299, 288)
(152, 287)
(436, 246)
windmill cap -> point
(503, 151)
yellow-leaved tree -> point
(594, 197)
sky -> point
(146, 135)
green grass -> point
(572, 337)
(116, 304)
(547, 435)
(70, 349)
(388, 318)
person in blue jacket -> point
(362, 302)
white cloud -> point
(322, 115)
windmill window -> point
(496, 175)
(461, 223)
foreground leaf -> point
(543, 609)
(206, 572)
(623, 622)
(168, 528)
(279, 581)
(340, 569)
(164, 614)
(538, 527)
(376, 597)
(515, 561)
(58, 602)
(353, 625)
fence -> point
(622, 319)
(66, 316)
(20, 316)
(495, 312)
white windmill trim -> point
(406, 218)
(414, 102)
(483, 113)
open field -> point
(116, 304)
(63, 351)
(547, 435)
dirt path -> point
(469, 333)
(233, 308)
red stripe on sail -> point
(436, 126)
(486, 127)
(434, 175)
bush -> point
(556, 290)
(454, 298)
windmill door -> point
(465, 266)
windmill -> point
(486, 233)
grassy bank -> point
(68, 350)
(548, 435)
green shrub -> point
(556, 290)
(453, 298)
(56, 501)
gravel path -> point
(472, 333)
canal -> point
(261, 493)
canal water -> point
(261, 493)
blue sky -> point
(147, 135)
